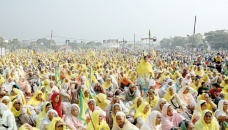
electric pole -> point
(134, 42)
(51, 39)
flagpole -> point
(149, 40)
(193, 37)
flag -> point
(90, 83)
(57, 75)
(83, 107)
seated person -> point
(215, 91)
(203, 89)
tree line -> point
(216, 39)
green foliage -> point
(216, 39)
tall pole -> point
(193, 36)
(149, 41)
(51, 39)
(123, 46)
(134, 42)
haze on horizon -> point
(109, 19)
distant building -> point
(65, 47)
(146, 40)
(25, 42)
(111, 43)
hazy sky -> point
(109, 19)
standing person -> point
(218, 61)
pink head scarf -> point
(169, 122)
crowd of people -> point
(113, 90)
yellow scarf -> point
(25, 128)
(193, 85)
(2, 80)
(17, 92)
(167, 95)
(144, 68)
(53, 123)
(103, 101)
(97, 125)
(154, 102)
(42, 115)
(107, 85)
(140, 111)
(165, 75)
(209, 106)
(33, 101)
(135, 103)
(18, 113)
(201, 125)
(225, 86)
(200, 72)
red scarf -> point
(57, 106)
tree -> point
(217, 39)
(178, 41)
(165, 42)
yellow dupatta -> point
(165, 75)
(87, 98)
(54, 121)
(201, 125)
(33, 101)
(45, 94)
(140, 111)
(42, 115)
(17, 113)
(102, 101)
(205, 78)
(2, 80)
(176, 73)
(209, 106)
(134, 106)
(225, 88)
(193, 85)
(18, 93)
(144, 68)
(167, 95)
(25, 128)
(200, 72)
(107, 85)
(224, 85)
(154, 102)
(97, 124)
